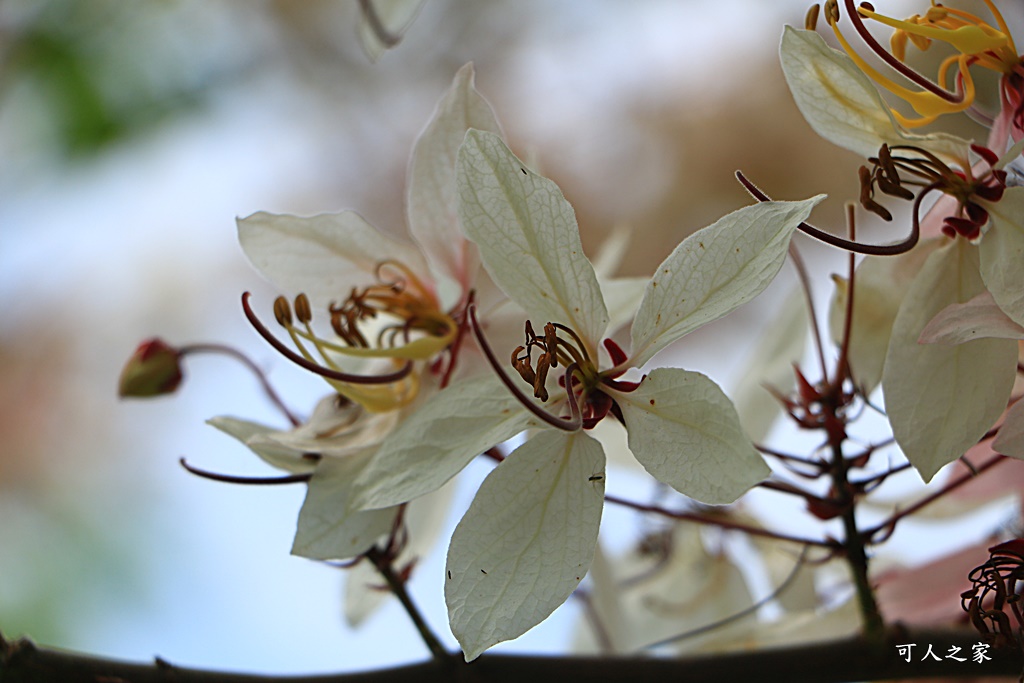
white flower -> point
(939, 399)
(396, 307)
(386, 298)
(528, 538)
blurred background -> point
(133, 134)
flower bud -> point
(153, 370)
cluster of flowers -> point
(937, 319)
(420, 330)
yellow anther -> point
(282, 312)
(551, 343)
(522, 365)
(421, 348)
(811, 18)
(832, 11)
(543, 364)
(303, 312)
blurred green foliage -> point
(97, 70)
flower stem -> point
(246, 361)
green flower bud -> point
(153, 370)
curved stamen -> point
(401, 284)
(969, 36)
(897, 65)
(573, 352)
(624, 386)
(999, 20)
(388, 378)
(258, 481)
(571, 425)
(575, 416)
(937, 166)
(856, 247)
(409, 349)
(579, 342)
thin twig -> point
(245, 360)
(382, 562)
(928, 500)
(719, 522)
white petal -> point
(362, 596)
(941, 399)
(528, 238)
(329, 528)
(975, 319)
(714, 271)
(335, 429)
(432, 205)
(324, 256)
(686, 433)
(394, 16)
(526, 541)
(881, 283)
(433, 444)
(1010, 440)
(1002, 253)
(253, 435)
(842, 104)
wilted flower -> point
(995, 596)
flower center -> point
(397, 319)
(975, 41)
(408, 310)
(584, 380)
(923, 169)
(554, 350)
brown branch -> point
(851, 659)
(382, 561)
(719, 521)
